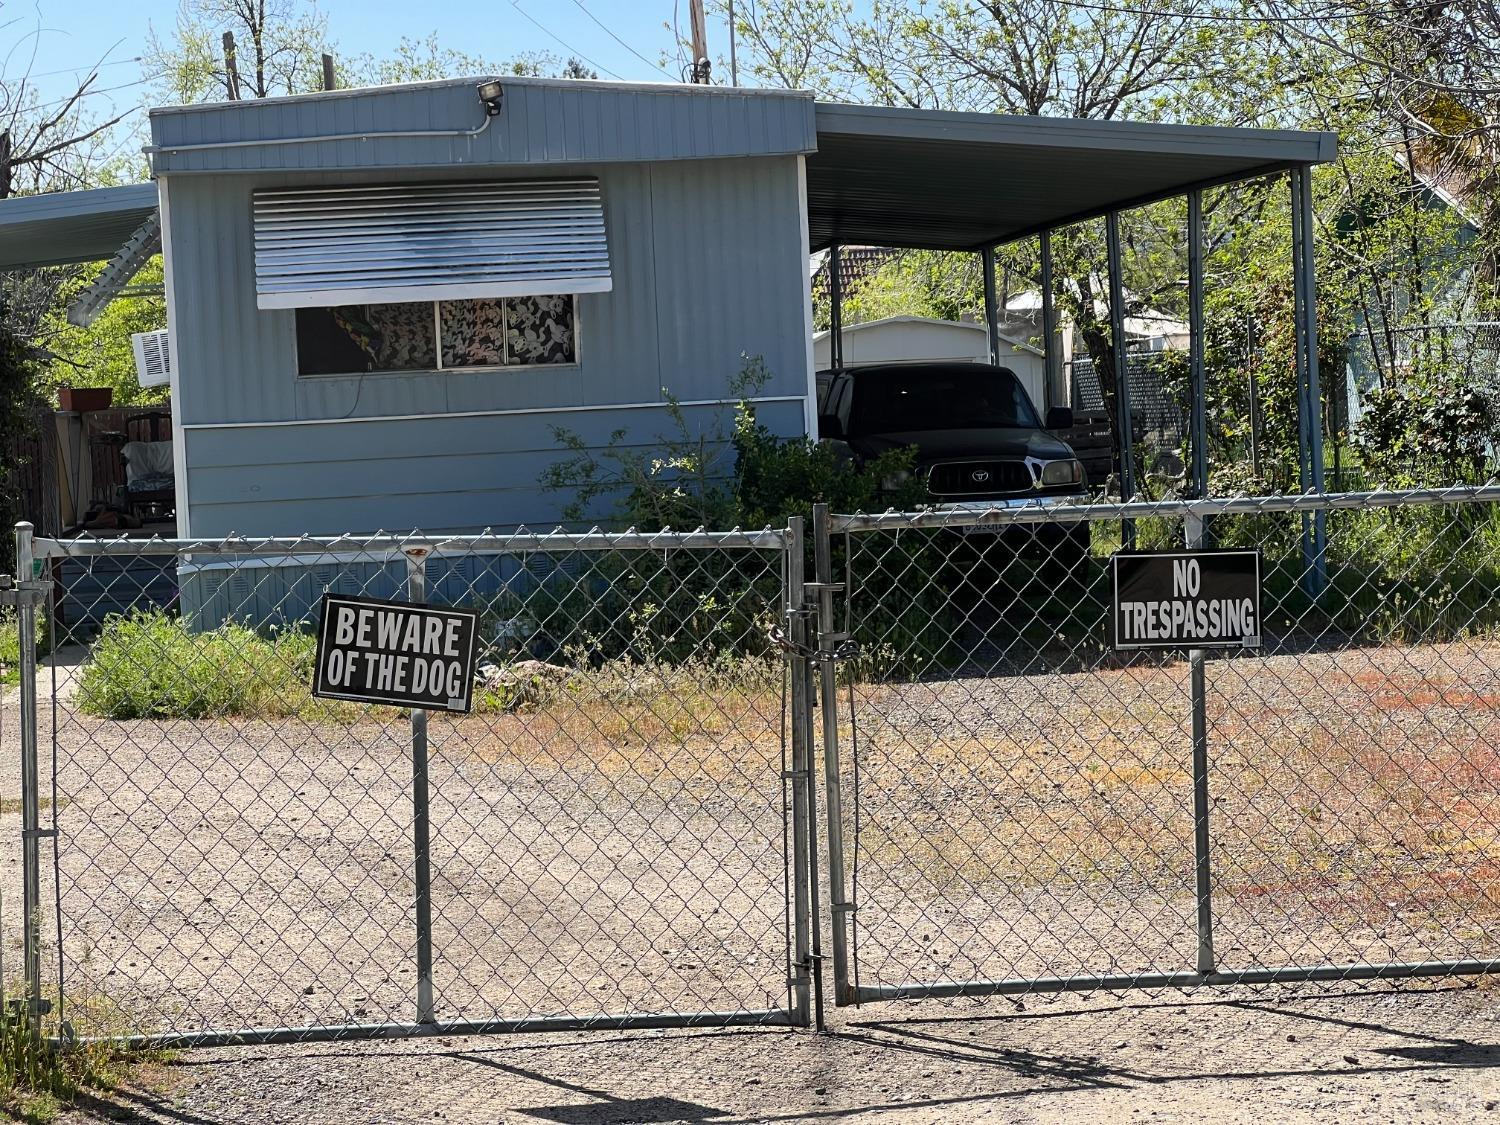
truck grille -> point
(978, 478)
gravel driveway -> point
(254, 872)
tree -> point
(426, 60)
(18, 372)
(1431, 71)
(276, 50)
(1156, 60)
(102, 355)
(46, 144)
(1389, 249)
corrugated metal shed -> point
(71, 226)
(443, 124)
(961, 181)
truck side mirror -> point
(830, 428)
(1060, 418)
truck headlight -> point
(1062, 472)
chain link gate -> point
(1013, 807)
(618, 836)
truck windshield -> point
(954, 398)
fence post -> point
(31, 873)
(416, 591)
(839, 907)
(1193, 528)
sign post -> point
(1195, 599)
(421, 821)
(1202, 874)
(404, 654)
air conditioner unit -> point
(153, 363)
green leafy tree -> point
(102, 354)
(19, 369)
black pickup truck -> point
(978, 439)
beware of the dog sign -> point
(399, 653)
(1186, 599)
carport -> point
(922, 179)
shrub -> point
(148, 665)
(10, 645)
(725, 475)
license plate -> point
(980, 529)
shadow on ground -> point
(1291, 1055)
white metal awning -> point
(424, 242)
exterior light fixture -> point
(491, 94)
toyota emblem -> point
(979, 476)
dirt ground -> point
(1368, 1054)
(625, 854)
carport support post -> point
(1122, 371)
(1202, 874)
(416, 591)
(991, 310)
(1199, 426)
(1309, 390)
(835, 309)
(1053, 390)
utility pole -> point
(231, 68)
(734, 66)
(329, 82)
(701, 64)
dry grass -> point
(707, 725)
(1346, 788)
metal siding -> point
(704, 252)
(404, 477)
(542, 122)
(707, 253)
(227, 349)
(730, 274)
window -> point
(437, 336)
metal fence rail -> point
(606, 841)
(1015, 807)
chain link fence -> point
(605, 841)
(1016, 806)
(624, 831)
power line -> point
(1221, 17)
(78, 69)
(573, 51)
(620, 41)
(90, 93)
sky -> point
(69, 35)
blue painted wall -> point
(708, 265)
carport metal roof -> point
(71, 226)
(963, 181)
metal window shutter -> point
(425, 242)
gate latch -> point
(28, 592)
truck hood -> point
(961, 445)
